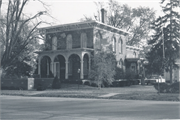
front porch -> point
(65, 64)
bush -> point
(131, 74)
(103, 67)
(86, 83)
(56, 83)
(119, 74)
(40, 87)
(165, 88)
(94, 85)
(175, 87)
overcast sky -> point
(69, 11)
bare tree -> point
(18, 32)
(133, 20)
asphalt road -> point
(43, 108)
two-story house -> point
(68, 48)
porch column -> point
(82, 70)
(39, 68)
(138, 66)
(66, 74)
(48, 68)
(52, 67)
(178, 73)
(89, 65)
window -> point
(134, 54)
(121, 63)
(120, 46)
(69, 41)
(54, 43)
(97, 44)
(83, 40)
(114, 45)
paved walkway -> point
(108, 95)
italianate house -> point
(68, 48)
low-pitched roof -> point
(82, 25)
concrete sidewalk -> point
(108, 95)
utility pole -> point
(1, 48)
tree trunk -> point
(0, 6)
(170, 73)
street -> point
(38, 108)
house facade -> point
(69, 48)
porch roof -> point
(65, 50)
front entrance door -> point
(76, 73)
(57, 69)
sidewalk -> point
(108, 95)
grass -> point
(134, 92)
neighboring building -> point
(133, 59)
(68, 49)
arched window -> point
(120, 46)
(69, 41)
(121, 63)
(134, 54)
(114, 45)
(83, 40)
(97, 44)
(54, 43)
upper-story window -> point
(83, 40)
(54, 43)
(69, 41)
(120, 46)
(114, 44)
(134, 54)
(97, 42)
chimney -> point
(103, 15)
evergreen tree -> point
(166, 37)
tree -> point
(19, 37)
(133, 20)
(166, 37)
(103, 68)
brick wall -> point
(103, 39)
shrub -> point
(56, 83)
(40, 87)
(175, 87)
(119, 74)
(94, 85)
(103, 68)
(131, 74)
(165, 88)
(86, 83)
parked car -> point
(154, 79)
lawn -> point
(133, 92)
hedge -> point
(166, 88)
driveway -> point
(52, 108)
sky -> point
(69, 11)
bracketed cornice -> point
(81, 25)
